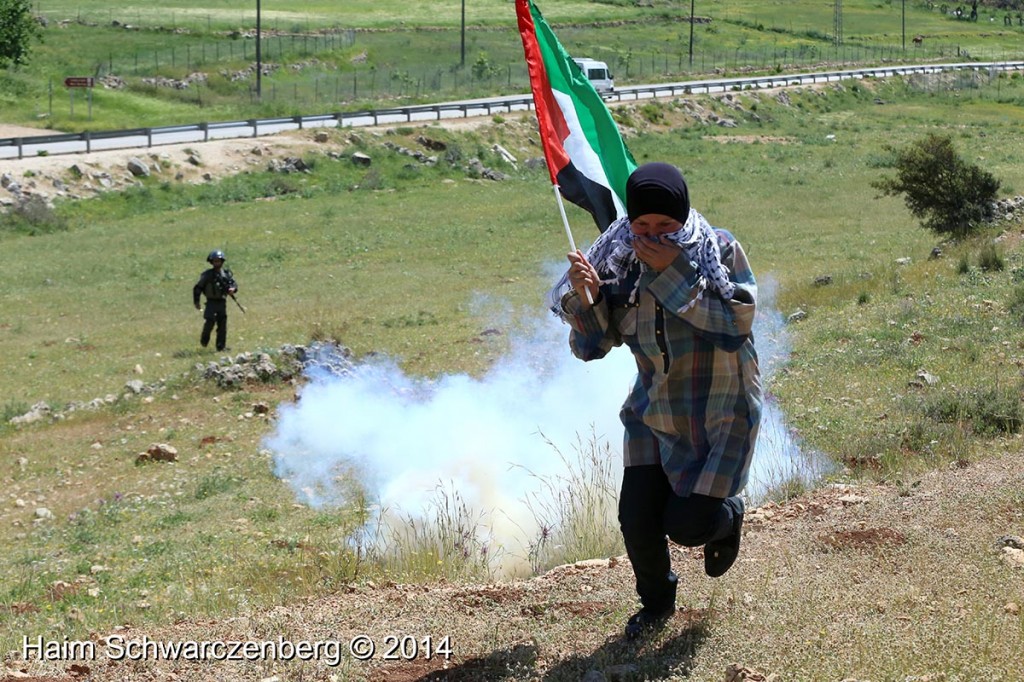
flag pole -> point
(568, 233)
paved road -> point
(14, 148)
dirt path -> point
(52, 176)
(195, 162)
(929, 563)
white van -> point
(597, 73)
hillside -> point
(916, 577)
(817, 580)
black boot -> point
(720, 555)
(647, 621)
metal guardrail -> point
(72, 143)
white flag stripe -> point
(577, 146)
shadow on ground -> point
(664, 654)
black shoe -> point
(720, 555)
(646, 620)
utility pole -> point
(837, 23)
(691, 34)
(259, 56)
(904, 22)
(463, 62)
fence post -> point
(87, 136)
(21, 151)
(252, 122)
(149, 137)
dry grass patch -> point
(869, 582)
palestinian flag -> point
(586, 156)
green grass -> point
(344, 57)
(392, 262)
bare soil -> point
(217, 158)
(102, 171)
(822, 581)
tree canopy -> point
(17, 30)
(948, 194)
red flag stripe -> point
(553, 129)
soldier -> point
(216, 284)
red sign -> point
(79, 82)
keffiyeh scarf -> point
(612, 255)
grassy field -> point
(394, 262)
(344, 57)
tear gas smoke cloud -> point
(778, 456)
(486, 437)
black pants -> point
(649, 510)
(216, 312)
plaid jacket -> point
(696, 404)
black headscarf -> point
(657, 188)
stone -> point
(138, 167)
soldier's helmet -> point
(216, 254)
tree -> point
(17, 30)
(948, 194)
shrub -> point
(1016, 303)
(964, 266)
(990, 259)
(33, 215)
(948, 194)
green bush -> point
(990, 259)
(948, 194)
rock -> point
(138, 167)
(158, 452)
(903, 261)
(38, 412)
(822, 280)
(800, 314)
(44, 514)
(361, 159)
(433, 145)
(321, 137)
(1014, 541)
(738, 673)
(504, 153)
(1013, 556)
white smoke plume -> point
(493, 439)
